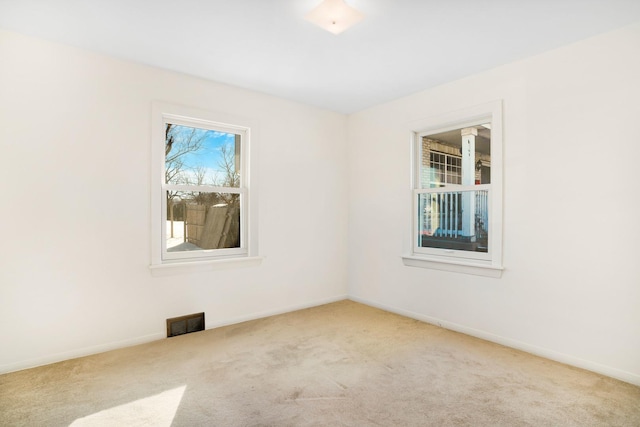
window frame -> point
(162, 261)
(479, 263)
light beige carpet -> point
(342, 364)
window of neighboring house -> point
(446, 168)
(457, 196)
(201, 187)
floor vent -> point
(185, 324)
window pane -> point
(454, 220)
(202, 220)
(457, 157)
(196, 156)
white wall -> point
(74, 217)
(75, 212)
(571, 288)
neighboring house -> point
(455, 219)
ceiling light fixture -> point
(334, 16)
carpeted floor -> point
(342, 364)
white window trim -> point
(448, 259)
(245, 256)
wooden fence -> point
(213, 227)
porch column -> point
(469, 178)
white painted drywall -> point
(74, 228)
(75, 212)
(571, 288)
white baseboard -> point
(268, 313)
(81, 352)
(88, 351)
(508, 342)
(529, 348)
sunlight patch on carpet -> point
(156, 410)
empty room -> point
(319, 213)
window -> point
(201, 193)
(457, 192)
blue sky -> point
(208, 156)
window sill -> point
(171, 268)
(456, 266)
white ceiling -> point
(401, 47)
